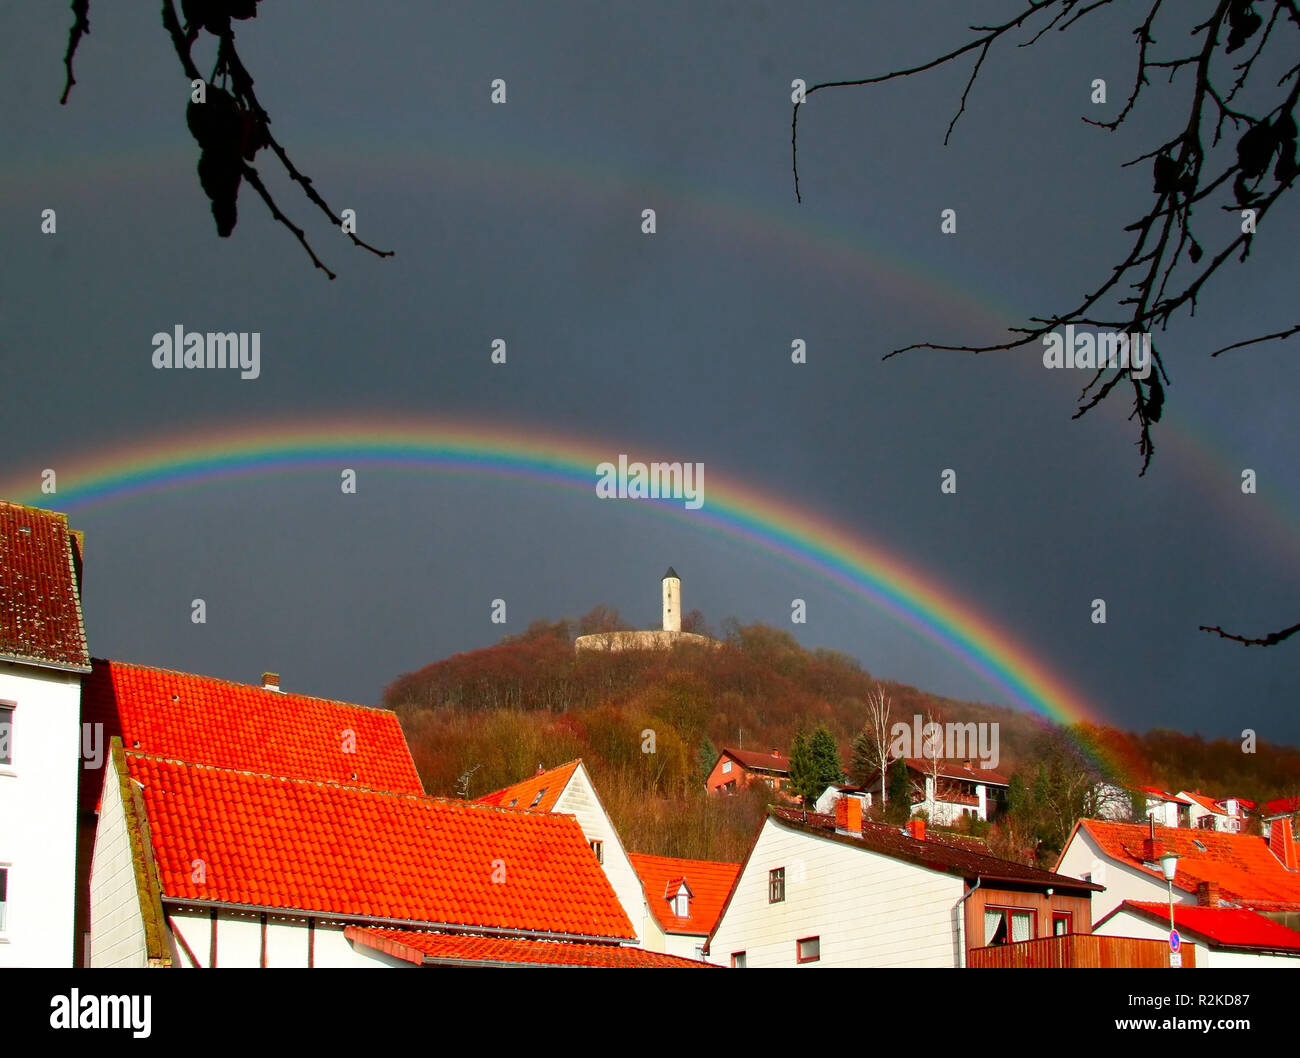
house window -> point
(4, 897)
(1007, 925)
(776, 885)
(809, 949)
(1206, 822)
(1061, 921)
(726, 767)
(598, 847)
(738, 960)
(6, 733)
(538, 799)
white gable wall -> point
(1083, 856)
(868, 909)
(579, 799)
(117, 935)
(38, 815)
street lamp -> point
(1169, 865)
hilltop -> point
(485, 719)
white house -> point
(569, 789)
(1224, 814)
(825, 804)
(818, 890)
(42, 658)
(963, 789)
(1167, 809)
(1214, 869)
(1224, 937)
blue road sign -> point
(1175, 941)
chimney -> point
(1207, 894)
(1151, 850)
(966, 764)
(270, 681)
(540, 769)
(916, 828)
(848, 816)
(1282, 842)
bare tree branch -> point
(1272, 639)
(80, 25)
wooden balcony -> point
(1078, 950)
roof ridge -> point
(238, 683)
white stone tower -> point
(672, 601)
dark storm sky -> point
(523, 221)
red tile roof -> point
(1217, 805)
(1244, 867)
(40, 600)
(765, 761)
(549, 784)
(1163, 795)
(1282, 806)
(956, 769)
(708, 881)
(935, 853)
(447, 948)
(236, 725)
(293, 844)
(1231, 927)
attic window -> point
(1199, 844)
(726, 767)
(538, 799)
(513, 801)
(598, 847)
(682, 903)
(776, 885)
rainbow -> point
(732, 510)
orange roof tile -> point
(709, 883)
(40, 601)
(1232, 927)
(537, 793)
(282, 843)
(420, 947)
(1244, 867)
(236, 725)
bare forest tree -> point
(1217, 153)
(876, 734)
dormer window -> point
(538, 799)
(679, 897)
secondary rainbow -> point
(731, 509)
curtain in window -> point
(992, 920)
(1021, 925)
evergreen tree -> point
(801, 766)
(899, 808)
(705, 757)
(824, 763)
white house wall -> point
(868, 909)
(580, 800)
(239, 943)
(117, 936)
(1083, 856)
(38, 815)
